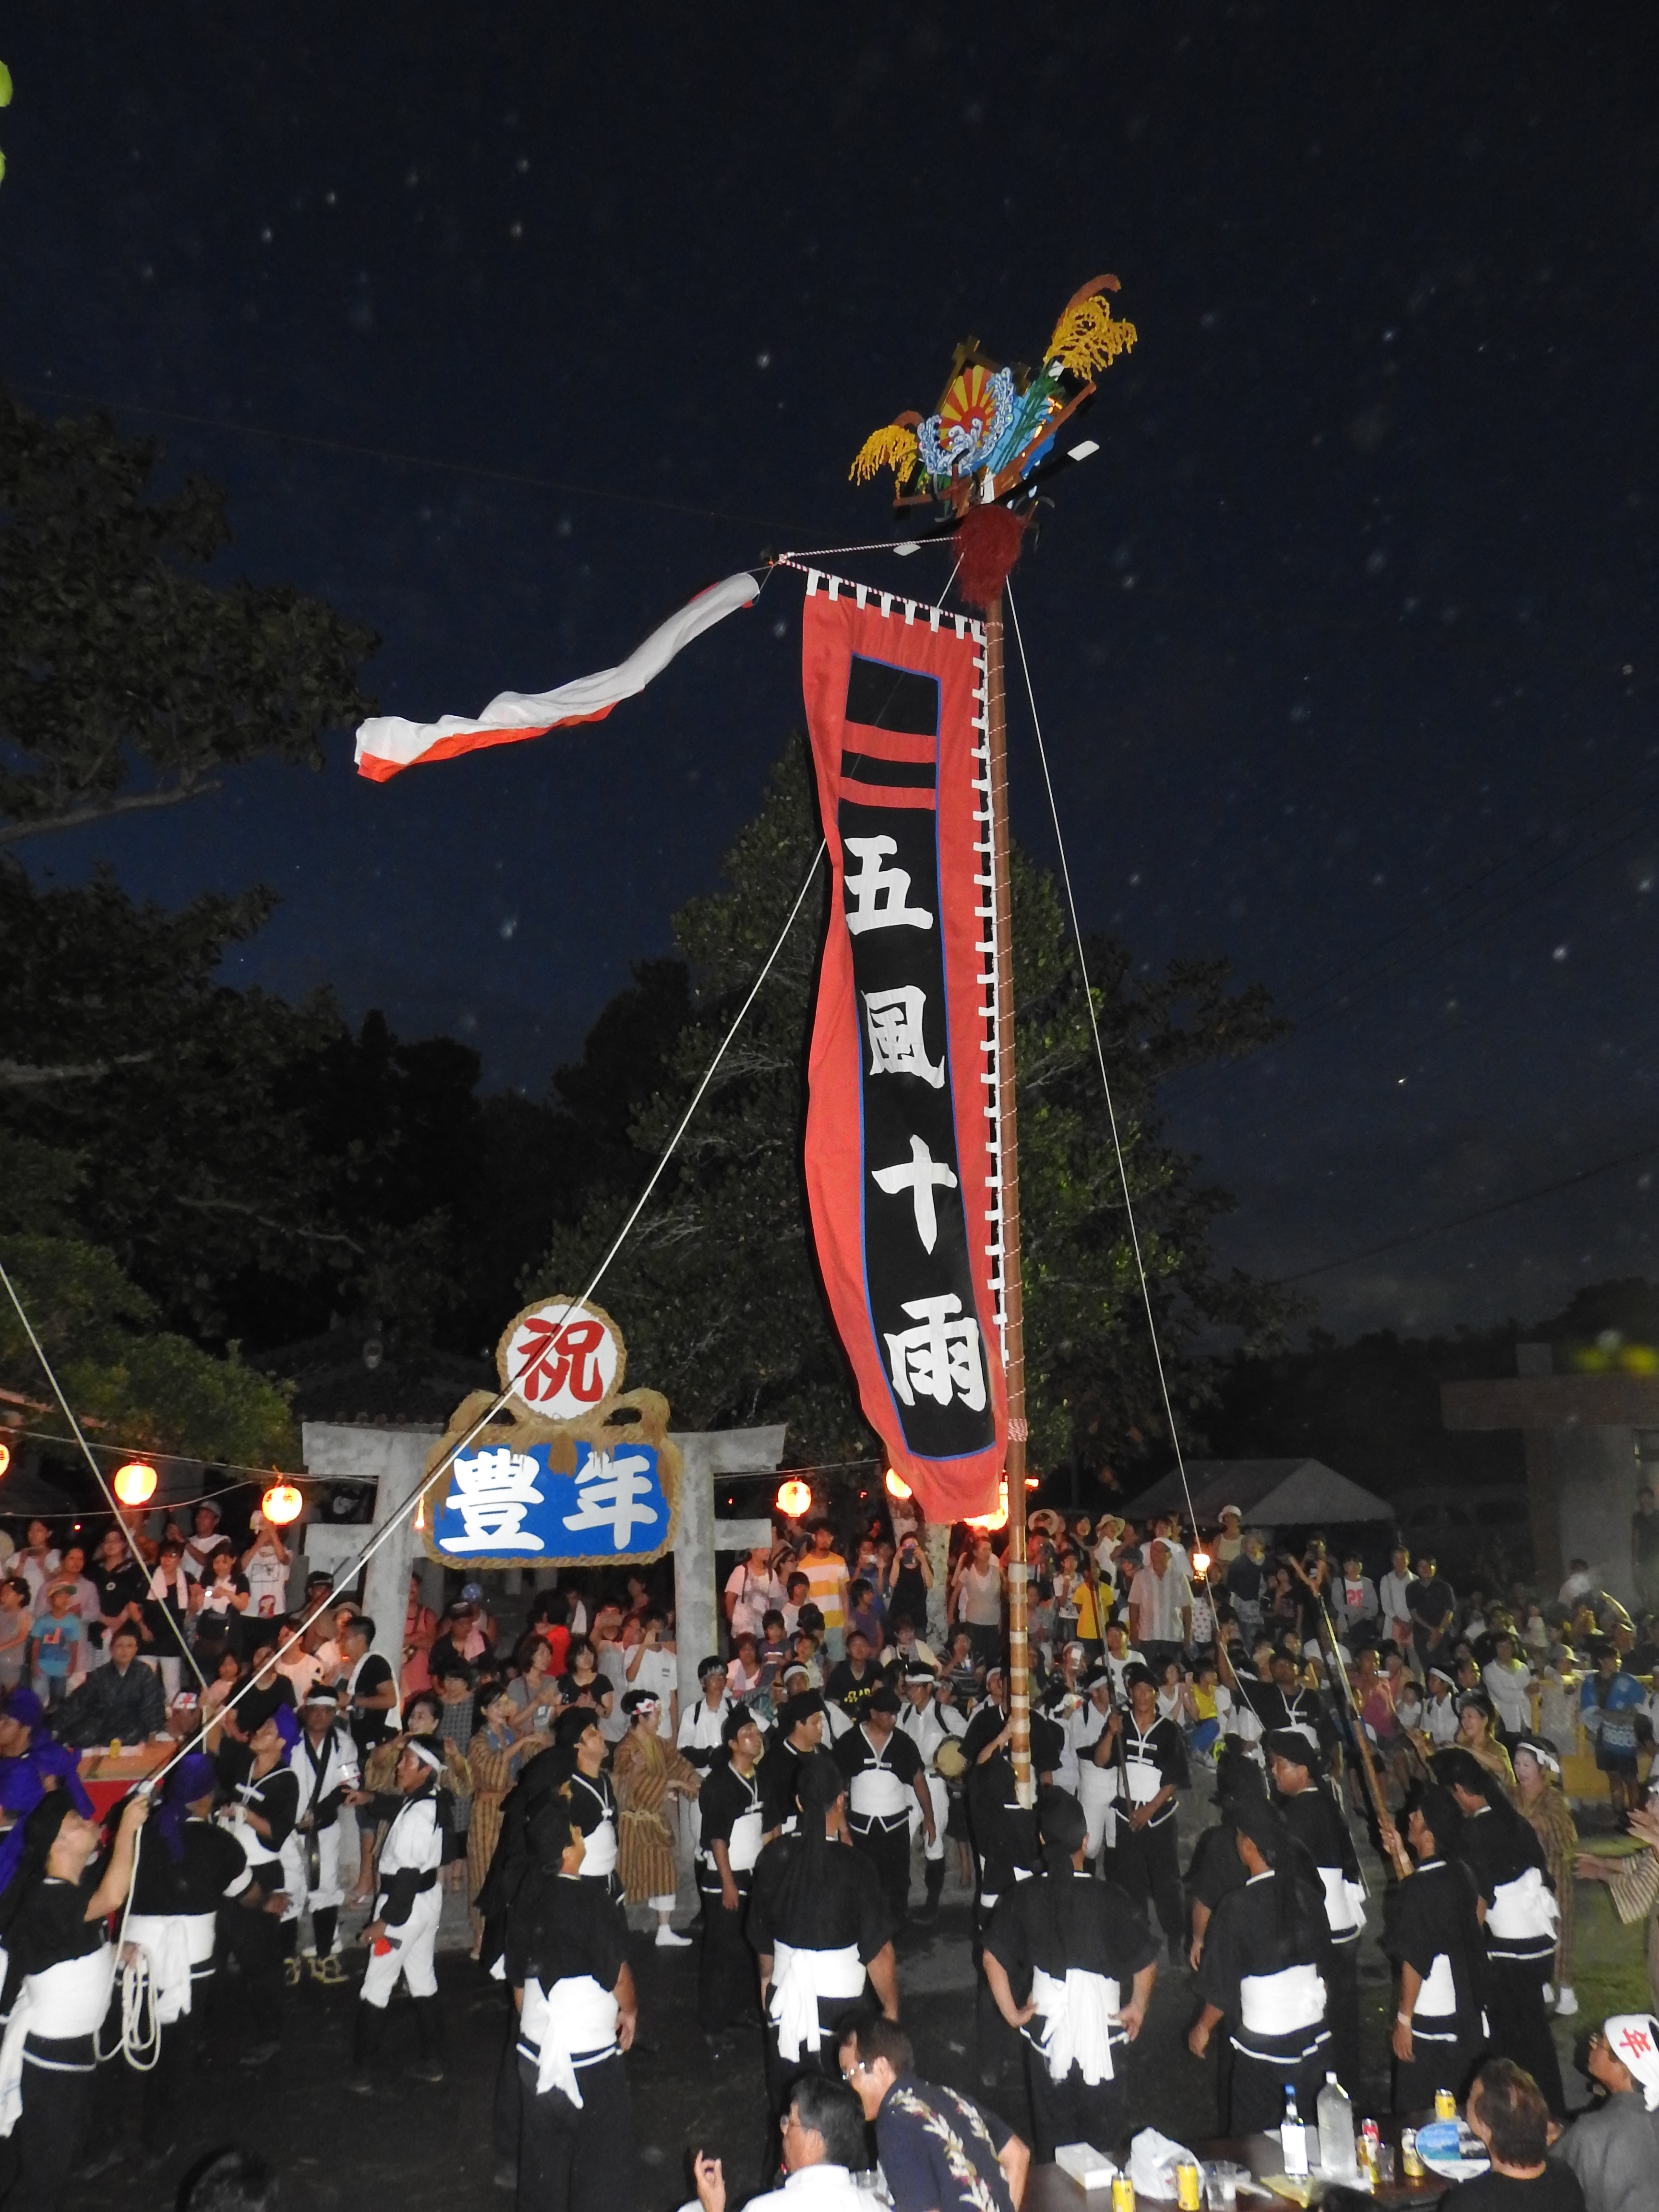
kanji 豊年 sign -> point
(571, 1468)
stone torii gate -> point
(392, 1459)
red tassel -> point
(988, 546)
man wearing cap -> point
(1507, 1862)
(1614, 2148)
(883, 1775)
(567, 1965)
(201, 1547)
(1230, 1539)
(1314, 1818)
(326, 1764)
(799, 1734)
(1144, 1859)
(820, 1926)
(403, 1929)
(1070, 1963)
(732, 1837)
(702, 1738)
(921, 1719)
(1433, 1936)
(1247, 1577)
(1442, 1722)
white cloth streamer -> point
(1079, 2014)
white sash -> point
(1344, 1901)
(877, 1794)
(201, 1932)
(1278, 2004)
(165, 1936)
(1079, 2015)
(1522, 1907)
(577, 2014)
(599, 1854)
(744, 1846)
(1096, 1792)
(68, 1999)
(800, 1978)
(1144, 1780)
(1438, 1995)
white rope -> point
(140, 2046)
(98, 1473)
(349, 1573)
(1105, 1079)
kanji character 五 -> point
(880, 892)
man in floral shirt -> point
(939, 2151)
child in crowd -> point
(58, 1646)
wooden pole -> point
(1019, 1671)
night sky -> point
(509, 329)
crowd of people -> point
(854, 1734)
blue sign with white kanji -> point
(503, 1504)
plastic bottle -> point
(1293, 2138)
(1336, 2129)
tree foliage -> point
(716, 1291)
(127, 678)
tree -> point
(125, 679)
(150, 1387)
(717, 1292)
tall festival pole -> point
(1013, 1302)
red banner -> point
(902, 1134)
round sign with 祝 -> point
(560, 1360)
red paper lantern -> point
(282, 1504)
(135, 1483)
(896, 1486)
(794, 1498)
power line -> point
(411, 460)
(1480, 1213)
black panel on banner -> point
(916, 1226)
(898, 776)
(887, 698)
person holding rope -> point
(264, 1794)
(325, 1762)
(1313, 1814)
(60, 1971)
(1096, 1729)
(185, 1871)
(920, 1720)
(403, 1930)
(1060, 1955)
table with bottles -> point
(1049, 2189)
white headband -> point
(1633, 2039)
(424, 1752)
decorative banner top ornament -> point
(570, 1469)
(994, 426)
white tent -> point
(1274, 1493)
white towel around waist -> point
(165, 1936)
(877, 1794)
(69, 1999)
(800, 1978)
(1521, 1908)
(201, 1932)
(744, 1846)
(1079, 2014)
(575, 2016)
(1437, 1998)
(1345, 1901)
(599, 1849)
(1144, 1781)
(1278, 2004)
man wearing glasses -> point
(940, 2151)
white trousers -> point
(410, 1956)
(941, 1797)
(1096, 1792)
(330, 1890)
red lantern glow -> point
(5, 1457)
(993, 1520)
(282, 1504)
(794, 1498)
(896, 1486)
(135, 1483)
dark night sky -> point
(1343, 643)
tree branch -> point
(131, 802)
(282, 1228)
(17, 1075)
